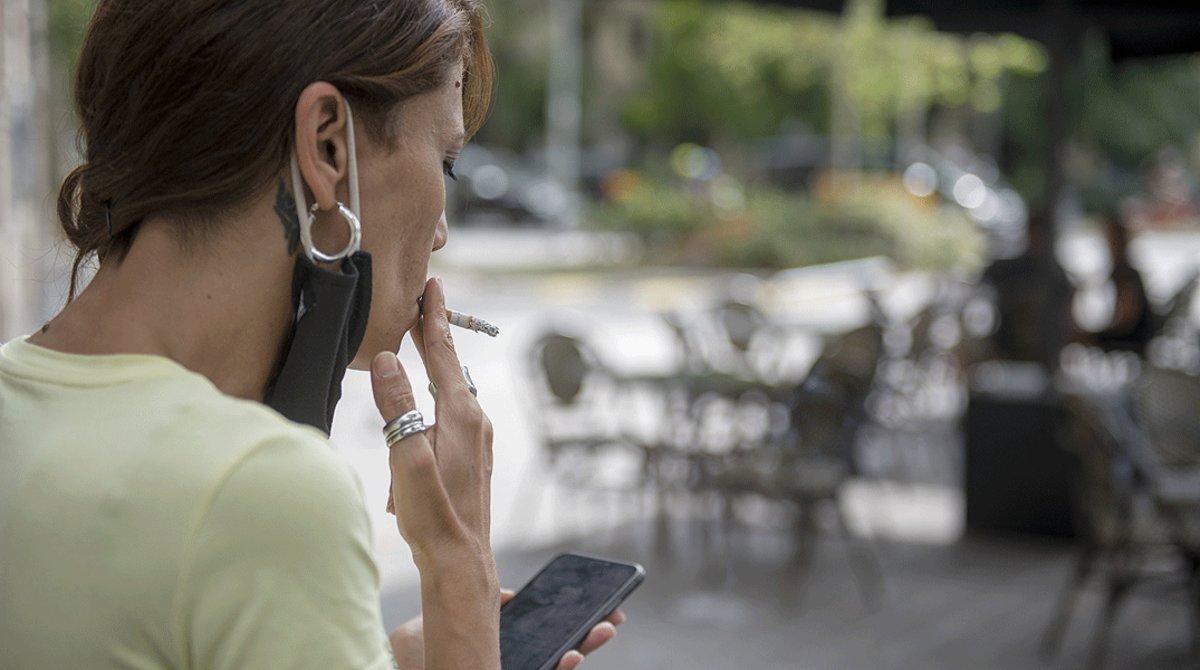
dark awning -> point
(1133, 29)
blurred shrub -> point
(658, 213)
(846, 217)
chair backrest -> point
(739, 322)
(921, 333)
(563, 364)
(854, 358)
(1167, 403)
(829, 407)
(688, 356)
(1105, 478)
(1179, 305)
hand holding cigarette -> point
(441, 491)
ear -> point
(321, 141)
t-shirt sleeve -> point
(281, 573)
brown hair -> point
(187, 106)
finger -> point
(389, 383)
(570, 660)
(488, 461)
(467, 454)
(441, 358)
(418, 338)
(431, 435)
(419, 497)
(417, 332)
(391, 504)
(507, 595)
(416, 482)
(616, 618)
(602, 633)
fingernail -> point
(439, 282)
(386, 365)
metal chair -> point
(572, 387)
(751, 345)
(1116, 535)
(1167, 406)
(807, 462)
(1139, 494)
(576, 418)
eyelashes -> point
(448, 169)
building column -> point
(24, 158)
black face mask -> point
(332, 309)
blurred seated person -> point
(1132, 324)
(1032, 297)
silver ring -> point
(470, 384)
(409, 423)
(405, 431)
(407, 417)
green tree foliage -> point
(737, 70)
(1132, 109)
(516, 34)
(733, 70)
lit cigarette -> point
(471, 323)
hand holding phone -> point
(553, 613)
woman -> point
(1132, 325)
(154, 512)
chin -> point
(382, 337)
(366, 352)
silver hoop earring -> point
(351, 246)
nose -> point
(441, 233)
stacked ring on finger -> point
(409, 423)
(470, 384)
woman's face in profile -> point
(403, 194)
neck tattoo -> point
(285, 209)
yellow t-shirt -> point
(148, 520)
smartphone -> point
(553, 613)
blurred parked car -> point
(498, 186)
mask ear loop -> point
(306, 215)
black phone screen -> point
(553, 607)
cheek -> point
(402, 213)
(425, 191)
(408, 204)
(427, 204)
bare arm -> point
(408, 645)
(461, 610)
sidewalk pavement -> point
(980, 603)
